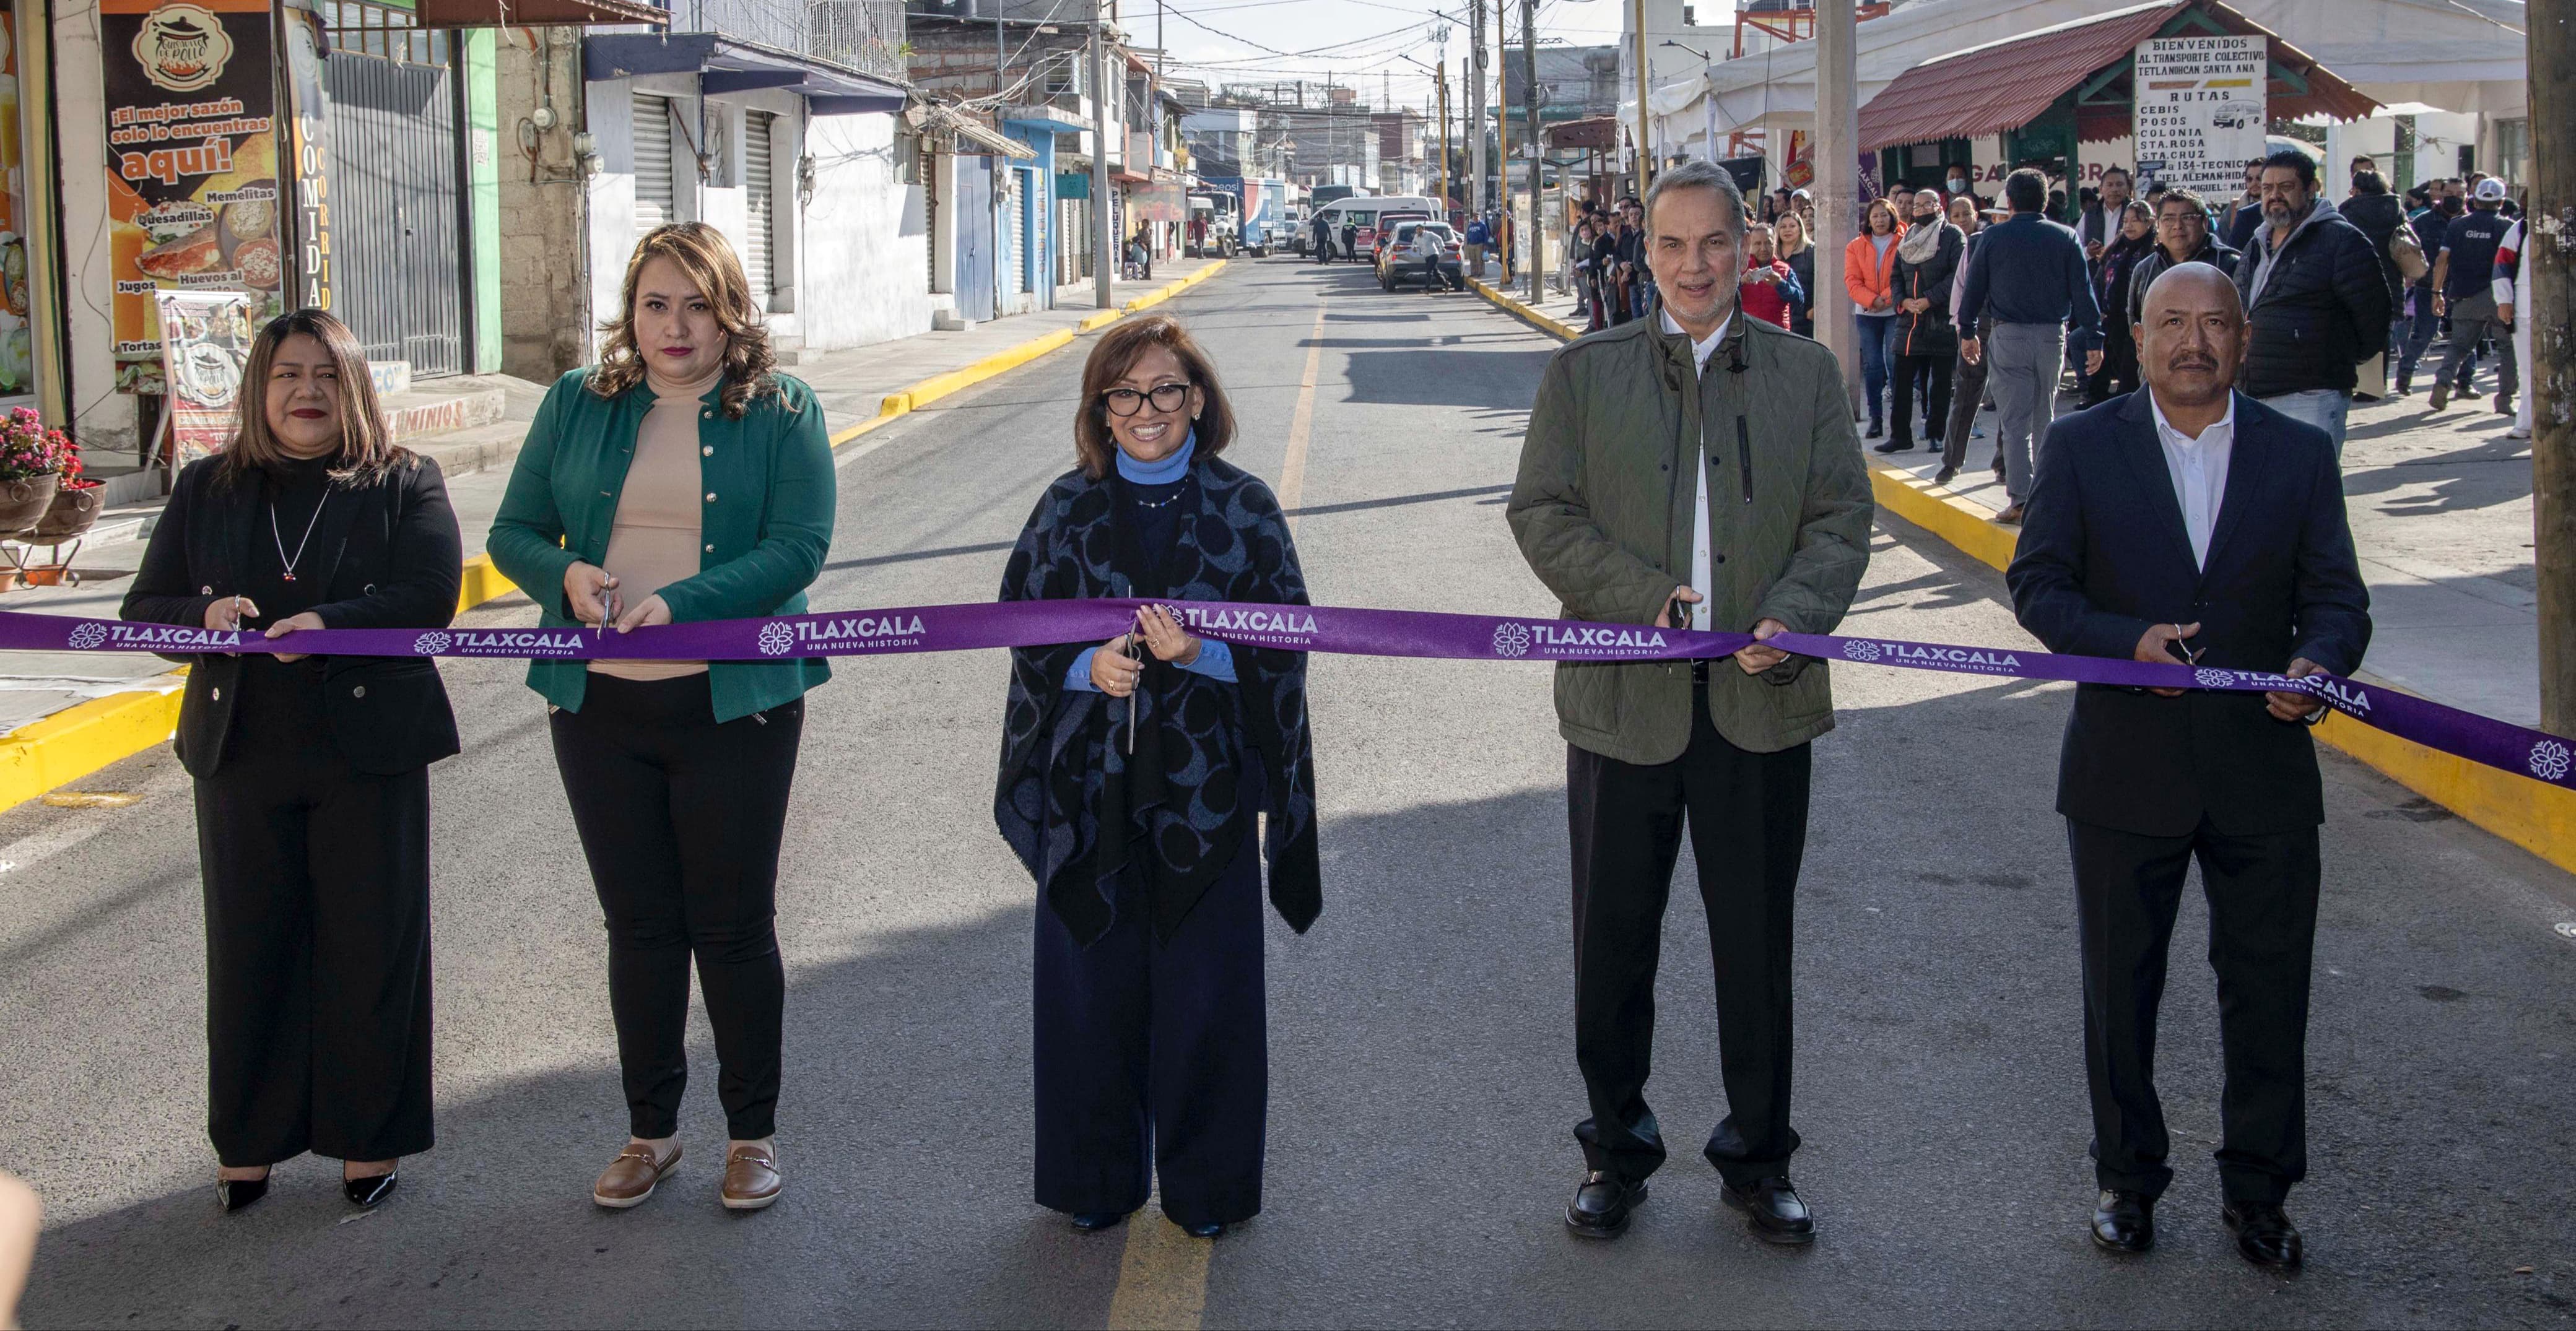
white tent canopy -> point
(2460, 55)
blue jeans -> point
(1877, 357)
(2324, 408)
(2419, 323)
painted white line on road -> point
(1292, 473)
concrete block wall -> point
(545, 300)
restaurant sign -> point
(191, 163)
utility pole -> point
(1645, 146)
(1837, 178)
(1444, 138)
(2551, 377)
(1104, 248)
(1502, 204)
(1474, 106)
(1538, 149)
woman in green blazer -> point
(679, 479)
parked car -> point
(1370, 216)
(1395, 266)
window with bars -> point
(384, 31)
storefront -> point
(2071, 101)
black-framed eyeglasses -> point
(1127, 401)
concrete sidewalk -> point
(61, 711)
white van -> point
(1361, 213)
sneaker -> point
(2518, 432)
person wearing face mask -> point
(311, 772)
(1957, 186)
(680, 479)
(1133, 779)
(1927, 260)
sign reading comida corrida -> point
(2201, 110)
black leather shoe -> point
(1875, 430)
(2264, 1234)
(1602, 1205)
(2124, 1221)
(366, 1192)
(1773, 1211)
(1207, 1231)
(234, 1194)
(1947, 475)
(1088, 1221)
(1896, 445)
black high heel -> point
(234, 1194)
(366, 1192)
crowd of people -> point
(2346, 296)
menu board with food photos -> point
(191, 163)
(17, 351)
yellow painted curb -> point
(482, 583)
(77, 741)
(1524, 312)
(2534, 815)
(1968, 526)
(938, 386)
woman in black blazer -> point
(312, 773)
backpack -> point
(2407, 254)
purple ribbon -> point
(944, 628)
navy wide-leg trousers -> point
(1154, 1057)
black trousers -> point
(1153, 1057)
(1968, 391)
(1932, 373)
(680, 818)
(2262, 894)
(317, 938)
(1747, 814)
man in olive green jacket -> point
(1701, 462)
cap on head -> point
(2490, 190)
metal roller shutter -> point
(762, 237)
(653, 205)
(1015, 276)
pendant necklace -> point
(1164, 502)
(274, 535)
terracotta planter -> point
(23, 503)
(74, 511)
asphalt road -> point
(1423, 1077)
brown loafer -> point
(630, 1178)
(751, 1179)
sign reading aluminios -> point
(2201, 110)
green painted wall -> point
(483, 194)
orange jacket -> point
(1865, 275)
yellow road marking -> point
(1162, 1276)
(1292, 473)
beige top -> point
(654, 540)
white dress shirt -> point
(2198, 467)
(1702, 581)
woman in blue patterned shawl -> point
(1132, 775)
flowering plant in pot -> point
(32, 460)
(77, 500)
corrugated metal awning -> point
(2008, 84)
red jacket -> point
(1766, 300)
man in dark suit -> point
(2190, 522)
